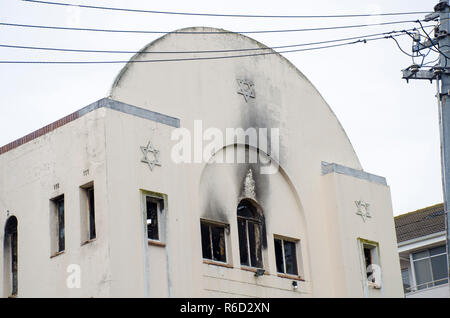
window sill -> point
(253, 269)
(88, 241)
(211, 262)
(56, 254)
(156, 243)
(288, 276)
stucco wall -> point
(28, 175)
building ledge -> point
(104, 102)
(360, 174)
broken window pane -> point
(152, 219)
(279, 256)
(291, 258)
(206, 241)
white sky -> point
(392, 125)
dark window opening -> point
(59, 206)
(90, 195)
(152, 218)
(14, 262)
(11, 253)
(213, 242)
(243, 248)
(250, 231)
(368, 259)
(279, 255)
(286, 257)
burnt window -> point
(286, 256)
(10, 256)
(57, 224)
(213, 241)
(250, 231)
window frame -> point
(296, 243)
(161, 202)
(375, 260)
(255, 221)
(226, 232)
(87, 216)
(429, 257)
(55, 225)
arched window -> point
(10, 257)
(250, 230)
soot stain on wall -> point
(214, 208)
(261, 190)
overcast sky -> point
(392, 125)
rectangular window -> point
(57, 224)
(250, 236)
(286, 256)
(87, 213)
(370, 263)
(368, 258)
(90, 195)
(154, 217)
(243, 248)
(430, 267)
(213, 241)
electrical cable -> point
(199, 58)
(203, 32)
(226, 15)
(197, 51)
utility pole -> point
(441, 72)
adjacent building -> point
(142, 193)
(421, 240)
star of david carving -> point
(363, 209)
(246, 89)
(154, 160)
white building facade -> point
(128, 197)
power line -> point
(226, 15)
(203, 32)
(199, 58)
(199, 51)
(431, 41)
